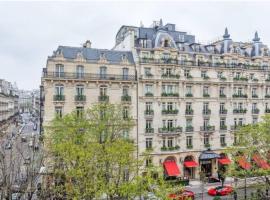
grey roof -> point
(206, 155)
(93, 55)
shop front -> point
(190, 166)
(207, 161)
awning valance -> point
(260, 162)
(191, 164)
(224, 161)
(242, 161)
(207, 155)
(171, 168)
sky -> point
(31, 31)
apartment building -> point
(191, 96)
(8, 102)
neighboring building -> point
(36, 102)
(191, 96)
(8, 103)
(25, 101)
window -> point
(148, 162)
(147, 71)
(189, 141)
(203, 74)
(205, 90)
(59, 90)
(241, 122)
(188, 89)
(80, 90)
(166, 43)
(79, 111)
(167, 71)
(254, 106)
(125, 91)
(148, 88)
(125, 112)
(251, 76)
(187, 73)
(59, 70)
(80, 71)
(59, 111)
(103, 91)
(254, 91)
(206, 139)
(125, 73)
(239, 91)
(170, 142)
(103, 72)
(148, 124)
(222, 106)
(219, 74)
(148, 143)
(237, 75)
(169, 89)
(188, 106)
(205, 123)
(205, 106)
(148, 106)
(222, 122)
(170, 106)
(222, 140)
(189, 122)
(221, 91)
(125, 134)
(254, 120)
(267, 91)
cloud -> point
(31, 31)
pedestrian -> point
(234, 195)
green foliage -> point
(91, 158)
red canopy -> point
(260, 162)
(171, 168)
(190, 164)
(242, 161)
(224, 161)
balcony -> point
(170, 130)
(189, 76)
(175, 148)
(189, 129)
(170, 76)
(205, 77)
(207, 145)
(239, 111)
(240, 96)
(235, 127)
(59, 97)
(149, 130)
(206, 112)
(207, 128)
(206, 95)
(189, 147)
(189, 95)
(267, 110)
(149, 112)
(170, 112)
(254, 96)
(189, 112)
(255, 80)
(255, 111)
(159, 61)
(80, 98)
(149, 75)
(126, 98)
(88, 76)
(103, 98)
(222, 95)
(223, 144)
(149, 94)
(164, 94)
(223, 112)
(240, 79)
(223, 127)
(222, 78)
(267, 96)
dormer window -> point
(166, 43)
(124, 57)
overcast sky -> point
(31, 31)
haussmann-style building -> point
(190, 97)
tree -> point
(252, 140)
(93, 158)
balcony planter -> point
(254, 96)
(177, 76)
(103, 98)
(205, 77)
(206, 95)
(80, 98)
(267, 111)
(149, 75)
(240, 79)
(222, 95)
(164, 94)
(223, 111)
(149, 130)
(267, 96)
(59, 97)
(189, 112)
(239, 111)
(239, 96)
(163, 148)
(223, 128)
(207, 112)
(165, 112)
(189, 95)
(149, 112)
(255, 111)
(223, 144)
(126, 98)
(189, 129)
(223, 78)
(189, 146)
(207, 145)
(149, 94)
(190, 77)
(255, 80)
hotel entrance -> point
(206, 167)
(207, 162)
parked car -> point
(36, 147)
(220, 190)
(23, 139)
(8, 145)
(182, 195)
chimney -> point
(87, 44)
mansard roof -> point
(94, 55)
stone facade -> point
(191, 97)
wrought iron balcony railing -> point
(149, 130)
(103, 98)
(88, 76)
(59, 97)
(126, 98)
(189, 112)
(207, 128)
(149, 112)
(170, 112)
(223, 112)
(170, 130)
(189, 129)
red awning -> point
(260, 162)
(242, 161)
(191, 164)
(224, 161)
(171, 168)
